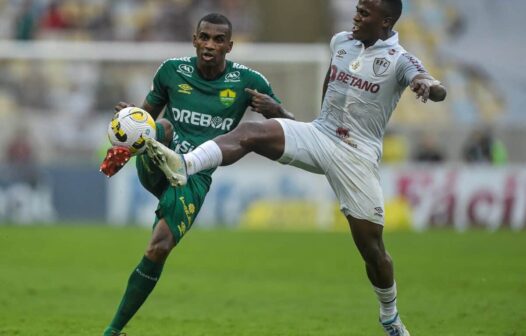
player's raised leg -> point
(265, 138)
(143, 278)
(262, 137)
(379, 267)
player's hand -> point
(115, 159)
(262, 103)
(122, 105)
(422, 87)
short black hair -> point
(216, 18)
(392, 8)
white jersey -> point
(364, 87)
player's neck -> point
(211, 72)
(384, 36)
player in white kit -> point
(369, 70)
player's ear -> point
(230, 46)
(194, 40)
(387, 22)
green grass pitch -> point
(68, 280)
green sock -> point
(140, 284)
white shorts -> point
(354, 179)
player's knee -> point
(250, 134)
(159, 250)
(376, 256)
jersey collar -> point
(392, 41)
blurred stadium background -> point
(457, 165)
(64, 65)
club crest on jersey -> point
(227, 97)
(185, 69)
(233, 76)
(380, 66)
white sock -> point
(205, 156)
(387, 299)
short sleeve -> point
(407, 67)
(158, 95)
(261, 84)
(337, 37)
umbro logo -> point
(378, 211)
(185, 88)
(341, 53)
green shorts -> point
(178, 206)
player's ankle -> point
(387, 318)
(207, 156)
(109, 331)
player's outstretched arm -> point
(426, 87)
(154, 110)
(268, 107)
(325, 84)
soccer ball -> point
(129, 127)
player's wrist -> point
(160, 134)
(279, 111)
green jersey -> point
(201, 109)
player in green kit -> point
(203, 96)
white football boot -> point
(171, 163)
(395, 327)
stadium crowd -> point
(119, 20)
(80, 91)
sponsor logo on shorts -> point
(189, 211)
(378, 211)
(343, 133)
(350, 143)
